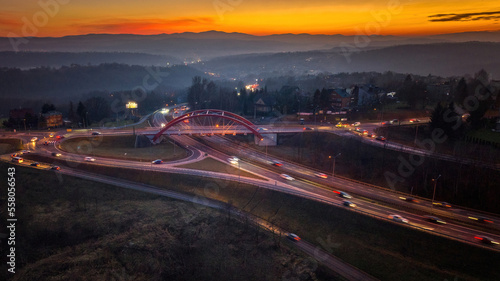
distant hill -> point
(58, 59)
(190, 47)
(443, 59)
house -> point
(263, 104)
(368, 94)
(339, 98)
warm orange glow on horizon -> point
(257, 17)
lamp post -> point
(334, 157)
(434, 193)
(416, 132)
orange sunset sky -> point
(258, 17)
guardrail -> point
(361, 182)
(212, 175)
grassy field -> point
(122, 147)
(10, 145)
(486, 135)
(210, 164)
(73, 229)
(386, 250)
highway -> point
(370, 200)
(335, 264)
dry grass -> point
(82, 230)
(386, 250)
(122, 147)
(10, 145)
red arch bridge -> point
(210, 122)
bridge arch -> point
(211, 113)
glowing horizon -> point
(57, 18)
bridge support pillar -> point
(142, 141)
(268, 140)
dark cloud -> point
(466, 17)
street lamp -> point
(334, 157)
(434, 193)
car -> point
(51, 135)
(434, 219)
(398, 218)
(294, 237)
(56, 154)
(356, 124)
(414, 120)
(442, 204)
(481, 219)
(307, 129)
(321, 175)
(287, 177)
(380, 138)
(486, 240)
(45, 143)
(344, 195)
(394, 121)
(25, 151)
(89, 159)
(340, 125)
(14, 155)
(364, 132)
(277, 164)
(261, 129)
(371, 135)
(349, 204)
(35, 164)
(384, 123)
(56, 168)
(95, 133)
(233, 160)
(157, 161)
(17, 159)
(409, 199)
(34, 139)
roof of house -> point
(340, 91)
(264, 99)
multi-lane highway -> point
(370, 200)
(72, 160)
